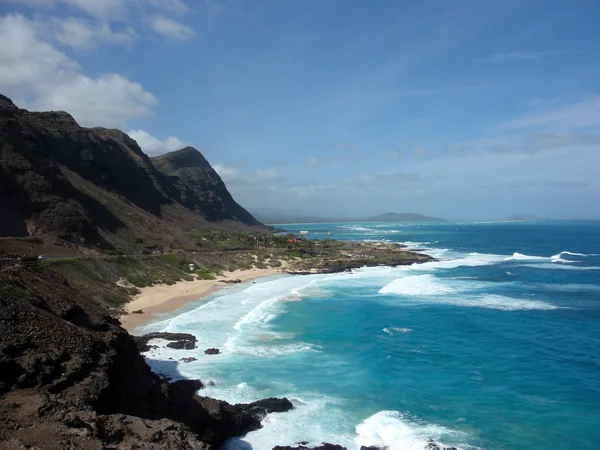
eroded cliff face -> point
(70, 377)
(200, 188)
(96, 187)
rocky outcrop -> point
(432, 445)
(189, 359)
(212, 351)
(183, 341)
(71, 378)
(324, 446)
(269, 405)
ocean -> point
(494, 346)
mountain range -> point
(96, 187)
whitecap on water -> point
(500, 302)
(395, 431)
(417, 285)
(429, 289)
(559, 266)
(521, 257)
(393, 330)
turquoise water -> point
(495, 346)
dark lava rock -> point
(182, 345)
(188, 360)
(323, 446)
(230, 281)
(189, 386)
(212, 351)
(271, 405)
(197, 186)
(211, 383)
(432, 445)
(183, 340)
(72, 378)
(373, 447)
(137, 311)
(266, 406)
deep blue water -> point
(496, 346)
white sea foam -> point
(426, 289)
(559, 266)
(359, 228)
(397, 432)
(393, 330)
(417, 285)
(500, 302)
(472, 260)
(569, 287)
(368, 229)
(568, 253)
(555, 258)
(266, 351)
(315, 419)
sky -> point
(462, 109)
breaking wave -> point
(395, 431)
(417, 285)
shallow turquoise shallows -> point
(494, 346)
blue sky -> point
(460, 109)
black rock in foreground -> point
(71, 378)
(324, 446)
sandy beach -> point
(159, 299)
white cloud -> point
(177, 6)
(40, 77)
(83, 34)
(153, 146)
(171, 29)
(576, 115)
(120, 10)
(228, 174)
(114, 9)
(247, 179)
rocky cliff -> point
(199, 187)
(71, 378)
(97, 188)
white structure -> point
(304, 233)
(192, 267)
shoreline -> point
(162, 298)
